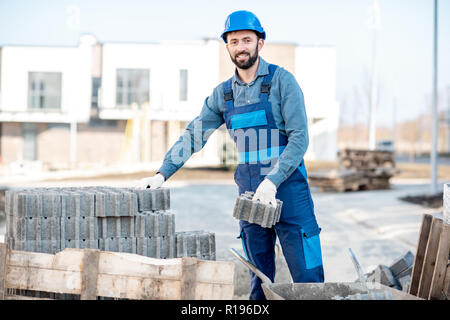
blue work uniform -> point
(265, 150)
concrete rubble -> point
(256, 212)
(397, 275)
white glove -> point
(266, 193)
(154, 182)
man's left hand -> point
(266, 193)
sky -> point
(405, 38)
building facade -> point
(112, 103)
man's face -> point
(243, 47)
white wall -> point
(164, 60)
(316, 73)
(73, 62)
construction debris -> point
(397, 275)
(254, 211)
(358, 170)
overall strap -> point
(267, 82)
(228, 94)
(264, 95)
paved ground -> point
(375, 224)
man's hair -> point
(258, 35)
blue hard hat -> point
(242, 20)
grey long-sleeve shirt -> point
(288, 110)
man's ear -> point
(260, 44)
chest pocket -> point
(249, 119)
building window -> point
(44, 90)
(132, 86)
(183, 84)
(96, 83)
(29, 131)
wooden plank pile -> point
(427, 274)
(430, 278)
(378, 166)
(336, 180)
(91, 273)
(358, 170)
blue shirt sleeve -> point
(293, 111)
(195, 135)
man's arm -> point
(296, 127)
(195, 135)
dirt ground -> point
(405, 171)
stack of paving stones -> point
(397, 276)
(49, 220)
(256, 212)
(200, 244)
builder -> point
(263, 108)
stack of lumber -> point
(336, 180)
(378, 166)
(358, 170)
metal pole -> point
(433, 157)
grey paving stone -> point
(199, 244)
(256, 212)
(35, 228)
(402, 263)
(116, 227)
(163, 247)
(153, 199)
(78, 202)
(79, 228)
(80, 244)
(118, 244)
(155, 224)
(42, 246)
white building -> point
(102, 104)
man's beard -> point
(246, 64)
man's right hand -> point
(154, 182)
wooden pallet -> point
(366, 159)
(336, 180)
(430, 278)
(92, 273)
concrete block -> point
(25, 204)
(199, 244)
(382, 274)
(404, 273)
(116, 227)
(404, 283)
(35, 228)
(118, 244)
(153, 199)
(163, 247)
(115, 202)
(80, 244)
(43, 246)
(256, 212)
(402, 263)
(49, 204)
(155, 224)
(78, 202)
(79, 228)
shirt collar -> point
(263, 69)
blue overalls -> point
(259, 144)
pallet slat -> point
(92, 273)
(430, 259)
(420, 253)
(440, 268)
